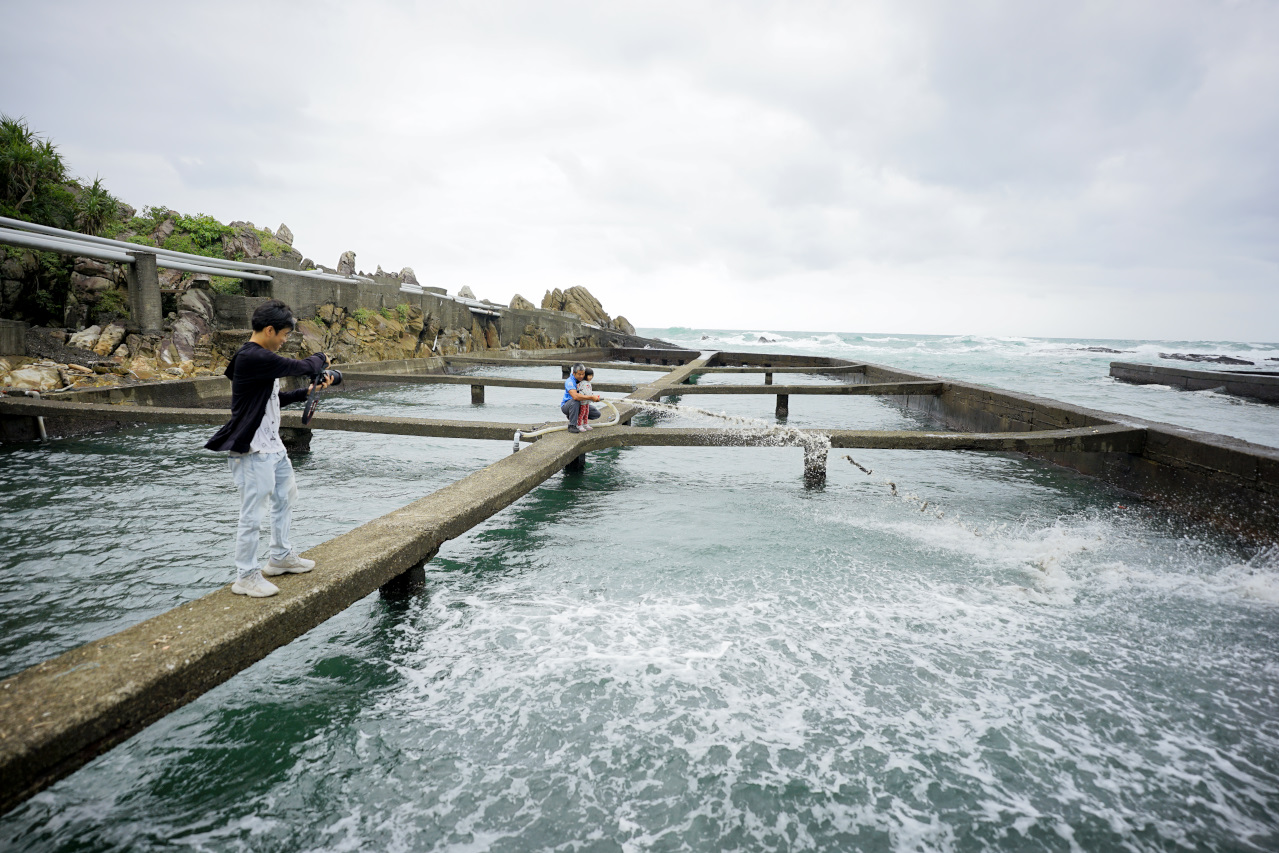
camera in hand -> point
(313, 395)
(331, 372)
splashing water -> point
(756, 430)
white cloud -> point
(999, 167)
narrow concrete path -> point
(865, 389)
(1095, 439)
(433, 427)
(482, 381)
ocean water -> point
(1058, 368)
(682, 648)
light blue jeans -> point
(260, 476)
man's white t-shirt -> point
(267, 438)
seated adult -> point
(573, 401)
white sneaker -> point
(254, 586)
(292, 563)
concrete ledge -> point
(483, 381)
(429, 427)
(877, 388)
(1225, 482)
(563, 365)
(1108, 439)
(1243, 383)
(816, 368)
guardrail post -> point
(768, 379)
(783, 405)
(477, 395)
(144, 293)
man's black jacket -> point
(253, 371)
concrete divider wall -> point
(757, 359)
(1255, 384)
(1227, 482)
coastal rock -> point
(110, 338)
(1201, 357)
(243, 243)
(163, 231)
(578, 300)
(519, 303)
(1102, 349)
(284, 234)
(490, 335)
(93, 267)
(407, 276)
(86, 339)
(170, 279)
(623, 325)
(90, 285)
(193, 328)
(198, 302)
(34, 377)
(466, 292)
(313, 337)
(346, 263)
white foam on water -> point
(824, 702)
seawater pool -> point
(679, 648)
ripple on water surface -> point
(684, 649)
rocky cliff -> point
(579, 301)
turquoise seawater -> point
(683, 648)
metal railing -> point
(51, 239)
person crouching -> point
(574, 400)
(257, 459)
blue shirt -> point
(570, 384)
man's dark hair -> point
(273, 313)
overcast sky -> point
(1007, 168)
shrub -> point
(114, 302)
(31, 170)
(95, 208)
(362, 315)
(205, 232)
(402, 311)
(229, 286)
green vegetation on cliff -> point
(46, 287)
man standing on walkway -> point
(573, 401)
(259, 464)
